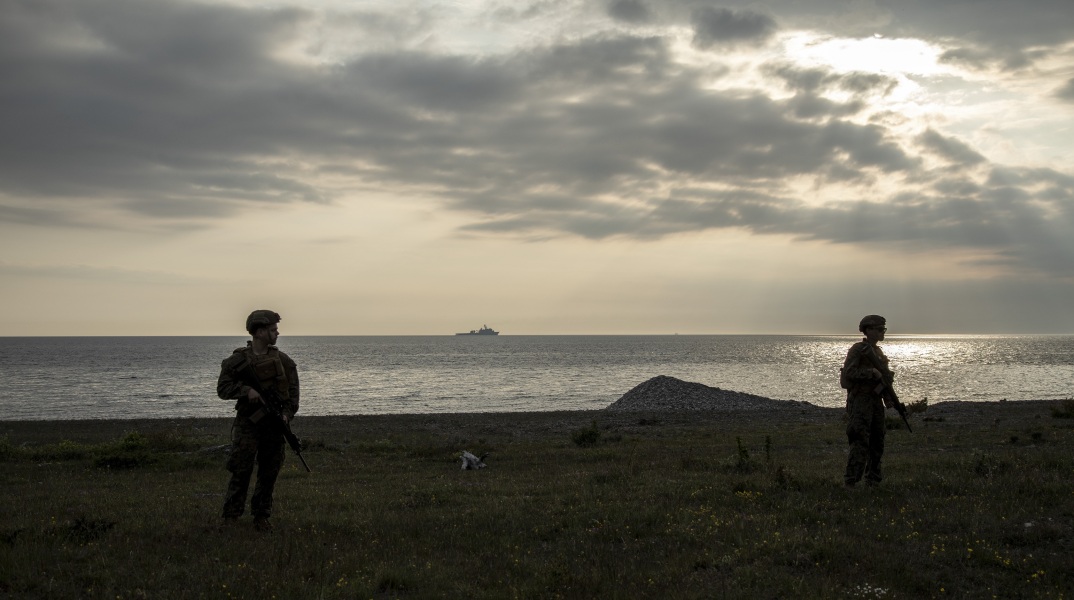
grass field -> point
(977, 503)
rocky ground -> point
(663, 393)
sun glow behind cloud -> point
(895, 57)
(910, 62)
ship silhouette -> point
(485, 330)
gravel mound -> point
(663, 393)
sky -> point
(405, 167)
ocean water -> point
(51, 378)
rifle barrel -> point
(308, 469)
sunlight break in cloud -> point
(902, 57)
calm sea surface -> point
(158, 377)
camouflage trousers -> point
(252, 444)
(865, 432)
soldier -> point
(263, 382)
(865, 375)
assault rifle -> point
(886, 391)
(271, 409)
(884, 388)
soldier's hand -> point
(253, 397)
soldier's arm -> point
(229, 386)
(291, 369)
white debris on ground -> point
(470, 462)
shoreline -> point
(528, 424)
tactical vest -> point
(861, 348)
(264, 372)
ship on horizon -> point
(485, 330)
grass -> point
(572, 505)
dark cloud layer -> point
(183, 113)
(629, 11)
(723, 26)
(1066, 92)
(951, 149)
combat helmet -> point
(871, 321)
(261, 318)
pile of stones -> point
(663, 393)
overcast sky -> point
(547, 167)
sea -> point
(85, 378)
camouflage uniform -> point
(261, 441)
(865, 412)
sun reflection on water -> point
(419, 374)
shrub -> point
(7, 451)
(134, 441)
(987, 465)
(742, 460)
(587, 436)
(1064, 409)
(920, 406)
(85, 530)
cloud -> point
(144, 104)
(817, 80)
(187, 113)
(108, 275)
(811, 87)
(629, 11)
(993, 24)
(1066, 92)
(950, 148)
(988, 34)
(723, 26)
(28, 215)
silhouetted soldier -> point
(255, 376)
(865, 374)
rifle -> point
(887, 392)
(885, 389)
(271, 408)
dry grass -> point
(978, 502)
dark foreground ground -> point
(977, 502)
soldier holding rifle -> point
(868, 381)
(264, 384)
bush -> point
(7, 451)
(920, 406)
(742, 459)
(988, 465)
(1064, 409)
(586, 437)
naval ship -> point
(485, 330)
